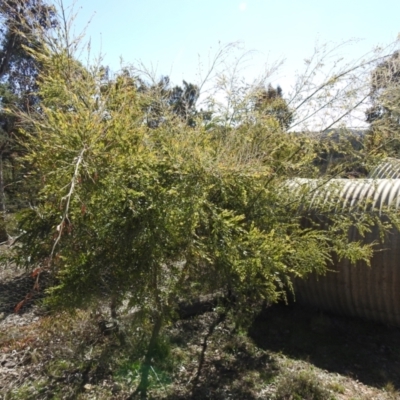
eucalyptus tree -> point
(384, 112)
(21, 24)
(269, 101)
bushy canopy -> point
(155, 215)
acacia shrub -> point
(152, 215)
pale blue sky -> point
(170, 34)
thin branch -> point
(346, 113)
(67, 197)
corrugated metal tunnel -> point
(371, 292)
(388, 169)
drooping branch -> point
(67, 197)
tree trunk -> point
(3, 231)
(113, 307)
(145, 368)
(2, 193)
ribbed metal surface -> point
(389, 169)
(357, 290)
(347, 194)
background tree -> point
(384, 113)
(21, 26)
(166, 101)
(183, 101)
(269, 102)
(385, 81)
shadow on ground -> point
(362, 350)
(17, 289)
(220, 381)
(226, 367)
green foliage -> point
(28, 391)
(301, 386)
(269, 103)
(384, 90)
(384, 113)
(22, 24)
(145, 213)
(165, 102)
(160, 371)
